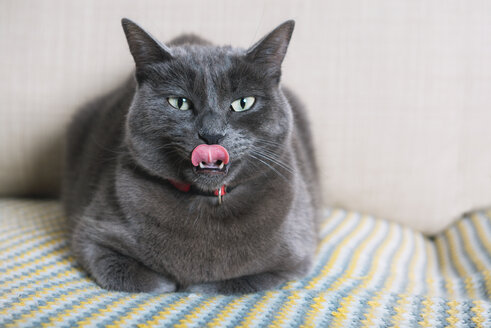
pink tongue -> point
(209, 154)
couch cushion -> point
(398, 92)
(366, 271)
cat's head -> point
(192, 93)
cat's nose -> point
(211, 139)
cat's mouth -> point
(210, 159)
(218, 167)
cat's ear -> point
(144, 48)
(271, 50)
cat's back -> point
(303, 144)
(93, 138)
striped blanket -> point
(367, 272)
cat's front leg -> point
(241, 285)
(115, 271)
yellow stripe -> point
(374, 301)
(400, 308)
(401, 304)
(370, 315)
(396, 263)
(478, 317)
(335, 255)
(328, 220)
(13, 236)
(258, 309)
(21, 303)
(452, 319)
(355, 261)
(346, 304)
(413, 265)
(466, 277)
(427, 312)
(291, 284)
(37, 272)
(348, 219)
(12, 221)
(316, 308)
(87, 322)
(76, 309)
(375, 266)
(164, 313)
(49, 305)
(485, 240)
(225, 313)
(19, 289)
(443, 265)
(431, 267)
(195, 314)
(286, 310)
(66, 312)
(136, 311)
(35, 261)
(319, 301)
(472, 254)
(340, 315)
(48, 243)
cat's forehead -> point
(209, 69)
(206, 55)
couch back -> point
(399, 92)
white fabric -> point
(399, 92)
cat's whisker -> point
(271, 167)
(272, 157)
(274, 162)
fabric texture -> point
(367, 272)
(398, 91)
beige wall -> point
(399, 92)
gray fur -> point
(134, 231)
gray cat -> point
(197, 174)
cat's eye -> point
(243, 104)
(180, 103)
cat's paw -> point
(241, 285)
(136, 278)
(162, 285)
(118, 272)
(234, 286)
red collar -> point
(186, 187)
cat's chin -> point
(209, 180)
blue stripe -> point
(174, 316)
(458, 281)
(41, 279)
(343, 266)
(326, 255)
(15, 261)
(300, 313)
(14, 315)
(240, 315)
(203, 320)
(130, 304)
(363, 301)
(343, 291)
(44, 317)
(29, 270)
(25, 233)
(157, 307)
(475, 236)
